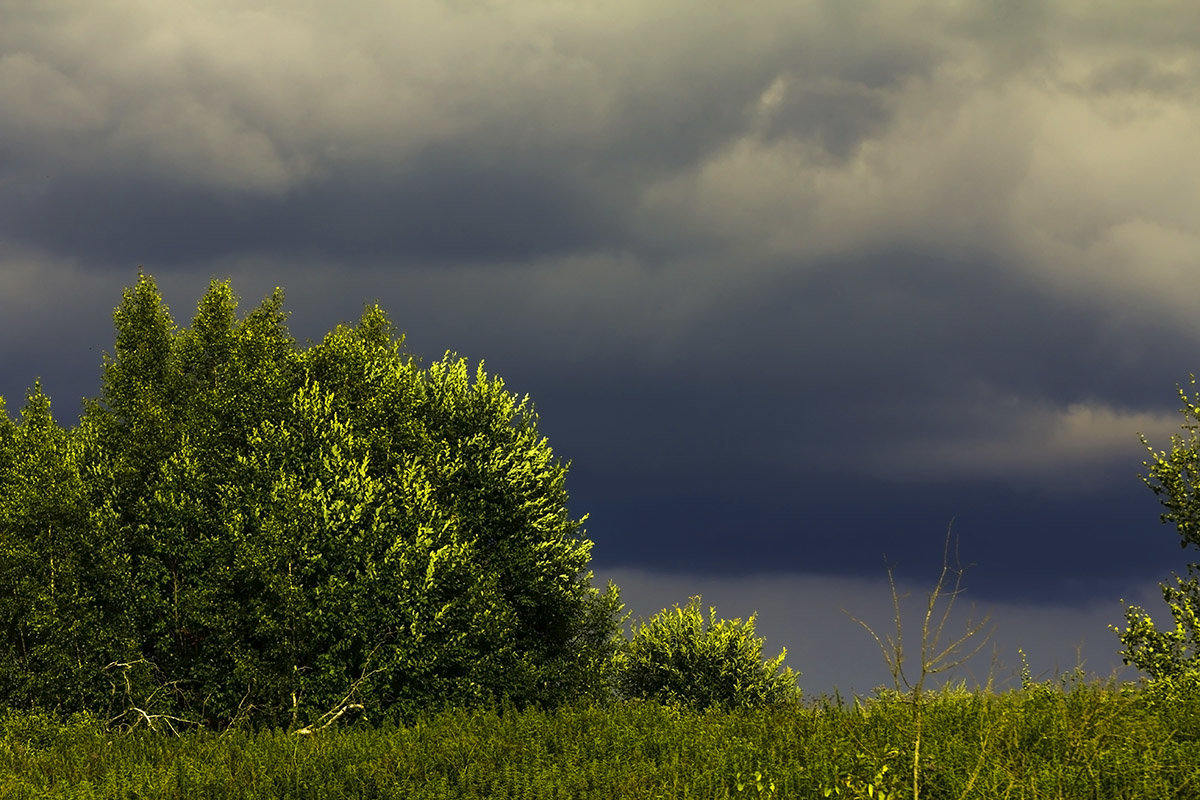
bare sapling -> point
(936, 655)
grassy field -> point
(1071, 739)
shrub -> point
(679, 657)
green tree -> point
(677, 656)
(299, 532)
(58, 578)
(1173, 475)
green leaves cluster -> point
(1173, 655)
(677, 656)
(241, 528)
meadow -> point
(1073, 738)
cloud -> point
(1026, 439)
(133, 90)
(820, 273)
(259, 99)
(444, 132)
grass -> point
(1070, 739)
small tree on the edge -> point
(1174, 476)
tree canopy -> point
(243, 528)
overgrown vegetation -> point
(1068, 739)
(245, 545)
(244, 532)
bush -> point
(243, 529)
(679, 657)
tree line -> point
(242, 529)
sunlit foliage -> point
(678, 656)
(1173, 655)
(243, 529)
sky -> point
(795, 286)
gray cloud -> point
(1138, 75)
(809, 277)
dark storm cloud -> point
(793, 284)
(847, 414)
(891, 347)
(510, 147)
(444, 207)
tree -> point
(934, 656)
(58, 578)
(677, 656)
(299, 532)
(1174, 476)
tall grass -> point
(1069, 739)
